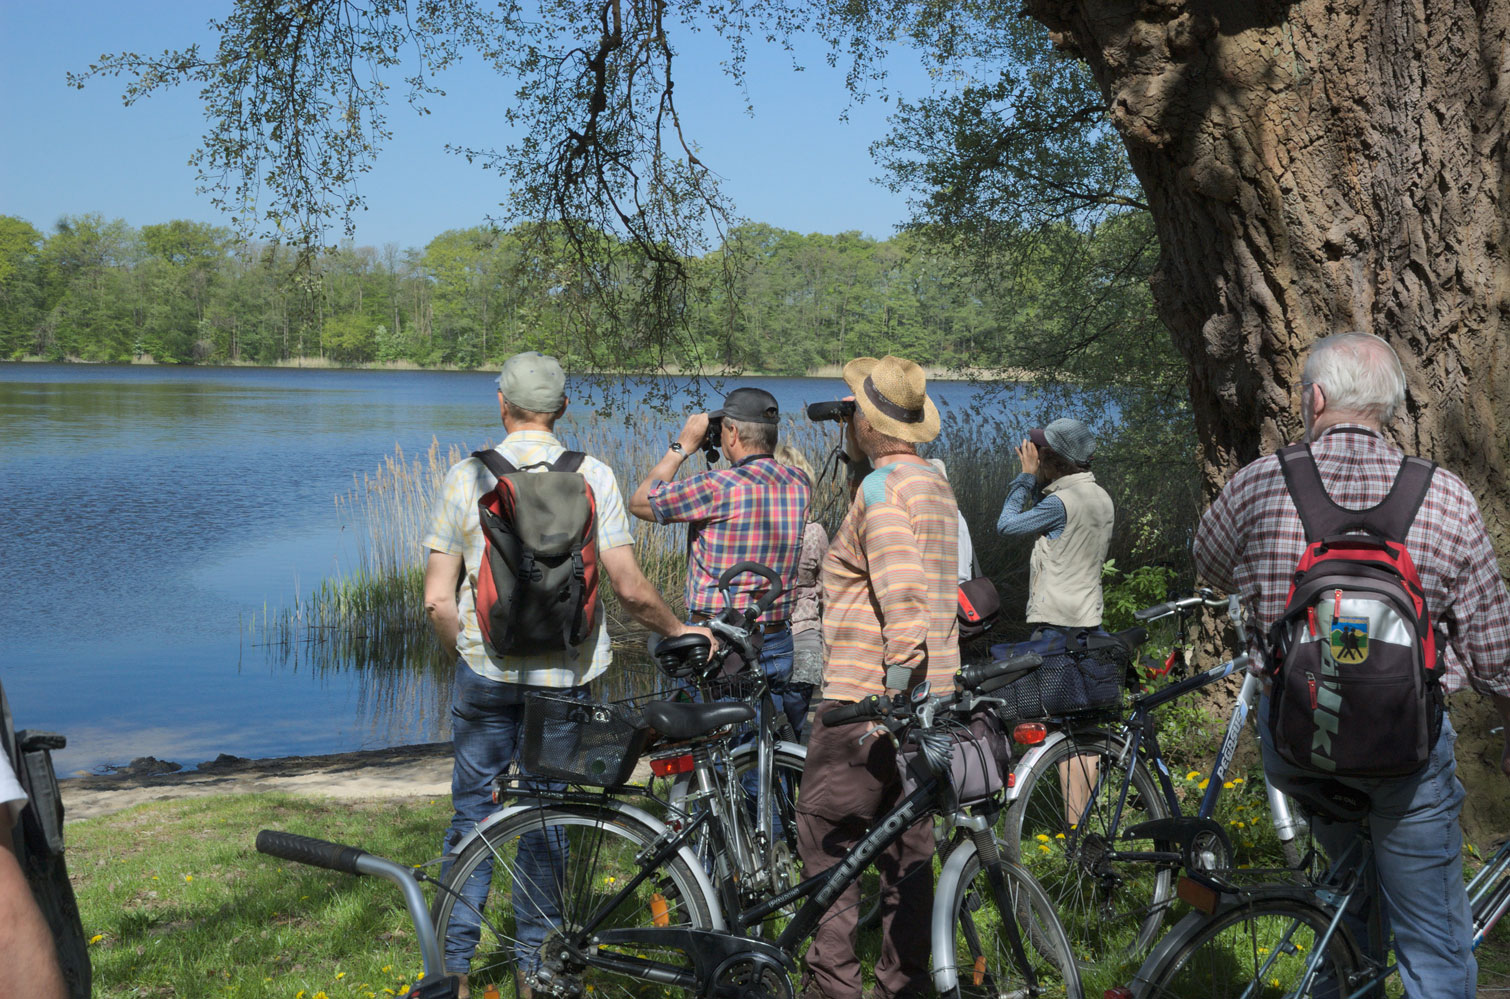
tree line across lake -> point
(766, 299)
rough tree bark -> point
(1314, 167)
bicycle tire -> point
(980, 952)
(592, 853)
(1228, 953)
(1109, 908)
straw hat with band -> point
(892, 393)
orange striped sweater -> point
(890, 592)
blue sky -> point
(795, 164)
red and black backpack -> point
(537, 586)
(1357, 689)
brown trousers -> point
(845, 788)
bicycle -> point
(767, 765)
(1281, 934)
(629, 904)
(1089, 784)
(434, 984)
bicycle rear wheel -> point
(1258, 949)
(981, 953)
(536, 877)
(1109, 906)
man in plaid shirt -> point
(755, 510)
(1249, 542)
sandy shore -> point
(401, 771)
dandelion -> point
(188, 878)
(1041, 838)
(1192, 775)
(1228, 784)
(1237, 780)
(1042, 848)
(386, 968)
(1241, 824)
(340, 975)
(1202, 785)
(299, 994)
(1059, 835)
(96, 939)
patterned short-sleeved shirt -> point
(456, 530)
(752, 512)
(1251, 538)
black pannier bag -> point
(1082, 671)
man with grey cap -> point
(487, 704)
(754, 510)
(1072, 518)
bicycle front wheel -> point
(1259, 949)
(539, 877)
(982, 956)
(1110, 906)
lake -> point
(151, 512)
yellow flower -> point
(1237, 780)
(321, 995)
(340, 975)
(299, 994)
(96, 939)
(1043, 848)
(1041, 838)
(188, 878)
(1228, 784)
(1192, 775)
(1059, 835)
(386, 968)
(1202, 784)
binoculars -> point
(839, 409)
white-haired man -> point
(1250, 542)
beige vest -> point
(1065, 585)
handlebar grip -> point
(845, 714)
(971, 677)
(765, 572)
(308, 850)
(1155, 612)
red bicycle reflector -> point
(1198, 896)
(1030, 733)
(672, 765)
(1117, 992)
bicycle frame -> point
(1142, 740)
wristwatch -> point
(677, 447)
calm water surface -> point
(149, 513)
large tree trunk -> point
(1315, 167)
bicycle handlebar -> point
(974, 677)
(1201, 598)
(873, 706)
(311, 851)
(765, 572)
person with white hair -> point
(1250, 541)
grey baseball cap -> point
(1067, 437)
(533, 381)
(750, 405)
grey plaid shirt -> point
(1251, 538)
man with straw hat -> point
(890, 597)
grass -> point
(178, 903)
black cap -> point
(749, 405)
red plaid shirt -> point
(752, 512)
(1251, 539)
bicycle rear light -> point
(1030, 733)
(1199, 896)
(670, 766)
(1117, 992)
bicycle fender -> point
(1028, 761)
(629, 812)
(1170, 943)
(678, 792)
(945, 975)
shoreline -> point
(421, 770)
(829, 372)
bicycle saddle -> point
(682, 656)
(687, 721)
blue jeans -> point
(1413, 823)
(487, 721)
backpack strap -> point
(495, 462)
(1320, 515)
(569, 461)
